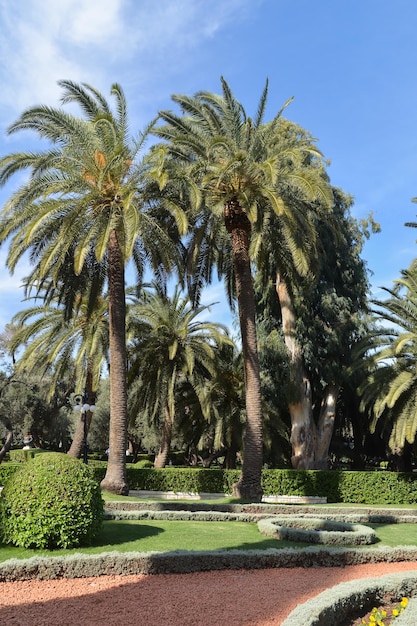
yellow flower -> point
(404, 602)
(395, 612)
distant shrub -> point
(20, 456)
(143, 463)
(52, 501)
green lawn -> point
(164, 536)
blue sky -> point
(350, 65)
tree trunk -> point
(310, 443)
(9, 438)
(238, 225)
(162, 456)
(115, 479)
(78, 439)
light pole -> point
(81, 405)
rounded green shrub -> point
(143, 464)
(53, 501)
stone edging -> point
(335, 604)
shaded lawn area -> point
(166, 536)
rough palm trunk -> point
(78, 439)
(238, 225)
(115, 478)
(310, 442)
(161, 458)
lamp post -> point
(81, 405)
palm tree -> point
(85, 194)
(171, 346)
(73, 349)
(391, 386)
(236, 168)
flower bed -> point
(337, 604)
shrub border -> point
(316, 530)
(81, 565)
(337, 603)
(184, 562)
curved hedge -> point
(335, 605)
(316, 530)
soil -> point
(227, 597)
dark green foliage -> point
(53, 501)
(373, 487)
(186, 480)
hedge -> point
(367, 487)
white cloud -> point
(42, 41)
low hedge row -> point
(185, 562)
(368, 487)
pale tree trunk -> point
(115, 479)
(161, 457)
(78, 439)
(238, 225)
(310, 442)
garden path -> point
(218, 598)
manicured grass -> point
(166, 536)
(163, 536)
(396, 534)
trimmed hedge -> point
(341, 603)
(20, 456)
(52, 501)
(368, 487)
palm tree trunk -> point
(165, 446)
(115, 479)
(78, 439)
(238, 225)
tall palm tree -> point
(235, 168)
(391, 386)
(170, 346)
(85, 193)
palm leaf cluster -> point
(391, 387)
(172, 348)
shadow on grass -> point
(118, 533)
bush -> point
(143, 464)
(53, 501)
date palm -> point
(171, 346)
(85, 194)
(74, 349)
(236, 169)
(390, 389)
